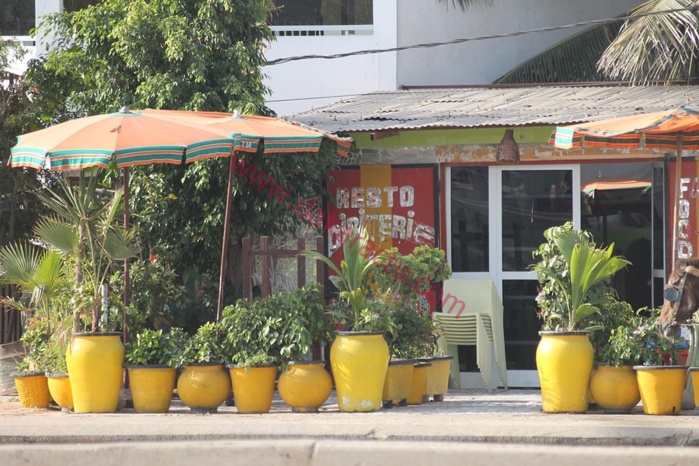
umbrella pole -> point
(127, 280)
(678, 187)
(224, 246)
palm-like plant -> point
(587, 267)
(655, 47)
(83, 228)
(350, 278)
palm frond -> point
(657, 47)
(58, 233)
(17, 264)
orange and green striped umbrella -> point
(131, 137)
(658, 130)
(277, 135)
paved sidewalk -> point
(478, 428)
(501, 416)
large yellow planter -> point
(95, 370)
(564, 362)
(359, 361)
(661, 388)
(33, 389)
(204, 387)
(438, 377)
(419, 385)
(305, 386)
(60, 390)
(399, 379)
(253, 388)
(152, 388)
(615, 389)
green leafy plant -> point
(574, 276)
(154, 347)
(83, 227)
(639, 342)
(351, 278)
(283, 326)
(415, 335)
(402, 278)
(258, 360)
(203, 347)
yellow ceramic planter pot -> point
(305, 386)
(253, 388)
(95, 369)
(399, 380)
(419, 384)
(564, 363)
(204, 387)
(359, 361)
(152, 388)
(438, 377)
(615, 389)
(60, 390)
(33, 389)
(661, 388)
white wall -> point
(305, 84)
(481, 62)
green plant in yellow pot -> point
(359, 355)
(570, 269)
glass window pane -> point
(322, 12)
(469, 219)
(16, 17)
(532, 201)
(521, 323)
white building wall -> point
(483, 61)
(305, 84)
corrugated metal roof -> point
(476, 107)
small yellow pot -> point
(33, 389)
(253, 388)
(419, 384)
(615, 389)
(399, 380)
(661, 388)
(305, 386)
(204, 387)
(152, 388)
(438, 377)
(60, 390)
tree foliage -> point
(203, 55)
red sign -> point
(397, 205)
(687, 221)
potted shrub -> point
(613, 383)
(280, 329)
(359, 355)
(661, 384)
(42, 279)
(573, 273)
(83, 227)
(204, 383)
(253, 383)
(151, 363)
(403, 280)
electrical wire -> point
(279, 61)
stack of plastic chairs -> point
(472, 315)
